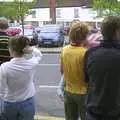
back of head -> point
(78, 32)
(3, 23)
(74, 21)
(18, 43)
(110, 26)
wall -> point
(66, 15)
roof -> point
(64, 3)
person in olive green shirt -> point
(72, 64)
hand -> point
(61, 98)
(28, 49)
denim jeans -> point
(24, 110)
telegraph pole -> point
(52, 11)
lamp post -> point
(52, 4)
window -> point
(58, 13)
(76, 13)
(33, 14)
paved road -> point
(48, 76)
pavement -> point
(38, 117)
(48, 104)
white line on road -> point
(48, 86)
(49, 64)
(49, 54)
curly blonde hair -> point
(78, 32)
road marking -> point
(38, 117)
(48, 86)
(44, 54)
(49, 64)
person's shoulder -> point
(81, 50)
(92, 50)
(4, 65)
(66, 47)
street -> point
(48, 77)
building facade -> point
(41, 16)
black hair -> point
(110, 26)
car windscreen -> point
(28, 32)
(49, 30)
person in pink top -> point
(94, 39)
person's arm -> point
(60, 89)
(61, 62)
(3, 81)
(34, 53)
(3, 86)
(37, 54)
(86, 67)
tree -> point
(106, 7)
(16, 10)
(59, 2)
(22, 8)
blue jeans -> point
(24, 110)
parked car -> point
(31, 34)
(51, 35)
(38, 29)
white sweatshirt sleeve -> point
(3, 81)
(36, 55)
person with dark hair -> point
(4, 37)
(102, 73)
(71, 59)
(17, 89)
(3, 26)
(94, 39)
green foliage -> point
(16, 9)
(106, 7)
(59, 2)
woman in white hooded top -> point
(17, 89)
